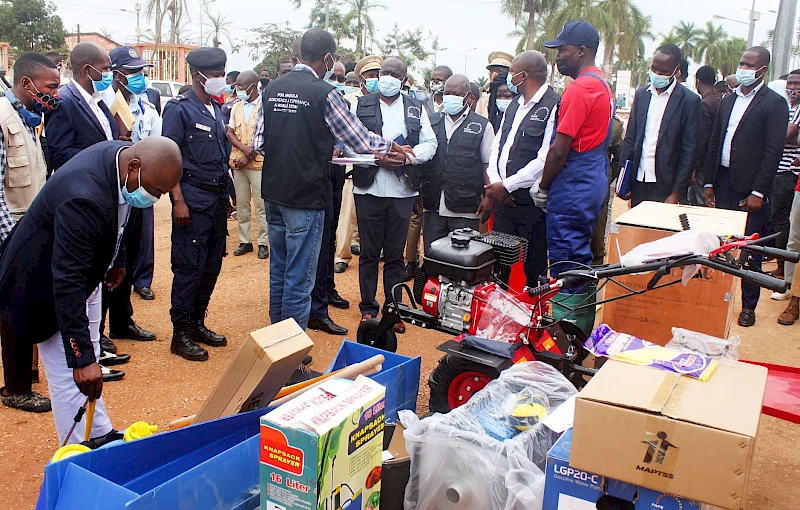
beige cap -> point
(410, 80)
(369, 63)
(500, 58)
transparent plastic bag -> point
(455, 464)
(688, 242)
(502, 316)
(720, 349)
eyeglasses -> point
(339, 77)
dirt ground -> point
(159, 387)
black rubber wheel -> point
(367, 335)
(454, 378)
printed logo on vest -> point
(414, 112)
(540, 114)
(473, 128)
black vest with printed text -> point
(368, 111)
(297, 141)
(529, 138)
(460, 173)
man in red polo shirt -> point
(574, 182)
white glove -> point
(539, 195)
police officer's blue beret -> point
(207, 58)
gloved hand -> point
(538, 195)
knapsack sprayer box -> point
(322, 450)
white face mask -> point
(213, 86)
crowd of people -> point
(419, 163)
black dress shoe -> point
(107, 345)
(408, 272)
(183, 346)
(337, 301)
(327, 325)
(109, 359)
(110, 375)
(747, 318)
(307, 360)
(263, 251)
(132, 332)
(202, 335)
(340, 267)
(145, 293)
(355, 249)
(242, 249)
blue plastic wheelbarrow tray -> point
(211, 465)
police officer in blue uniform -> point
(199, 202)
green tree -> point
(526, 14)
(220, 29)
(339, 24)
(624, 36)
(155, 10)
(481, 82)
(688, 36)
(587, 10)
(709, 45)
(409, 45)
(727, 59)
(364, 26)
(271, 42)
(31, 25)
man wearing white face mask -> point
(82, 118)
(662, 133)
(463, 137)
(199, 202)
(743, 155)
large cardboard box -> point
(671, 433)
(704, 305)
(262, 366)
(322, 450)
(567, 488)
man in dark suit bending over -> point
(743, 154)
(59, 254)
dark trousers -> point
(17, 362)
(781, 197)
(145, 259)
(435, 226)
(324, 284)
(383, 225)
(646, 192)
(117, 303)
(728, 198)
(527, 221)
(197, 251)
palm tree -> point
(364, 26)
(155, 9)
(670, 38)
(480, 82)
(220, 27)
(688, 35)
(730, 53)
(625, 34)
(530, 9)
(709, 45)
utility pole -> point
(138, 28)
(201, 22)
(79, 32)
(327, 13)
(752, 29)
(782, 38)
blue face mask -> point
(389, 86)
(511, 86)
(105, 82)
(502, 104)
(229, 89)
(136, 83)
(141, 198)
(747, 77)
(337, 85)
(371, 84)
(349, 90)
(242, 95)
(452, 105)
(660, 81)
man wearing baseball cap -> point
(574, 182)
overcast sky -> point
(461, 24)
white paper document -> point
(361, 159)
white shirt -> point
(655, 114)
(93, 100)
(147, 121)
(530, 173)
(387, 183)
(450, 127)
(123, 211)
(210, 108)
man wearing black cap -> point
(302, 116)
(199, 202)
(129, 81)
(574, 182)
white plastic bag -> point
(456, 465)
(720, 349)
(689, 242)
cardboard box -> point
(324, 452)
(567, 488)
(262, 366)
(671, 433)
(704, 305)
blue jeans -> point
(295, 236)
